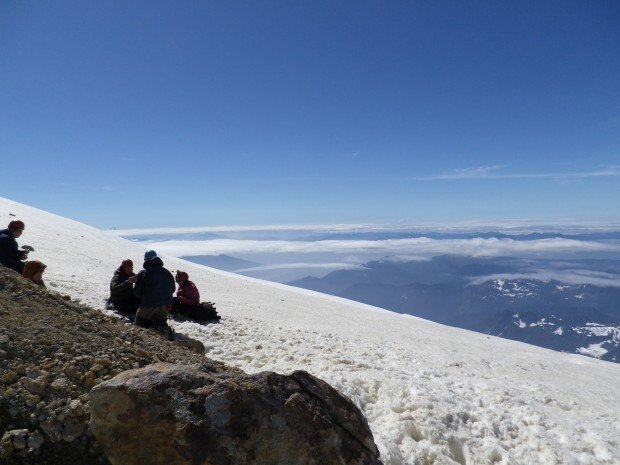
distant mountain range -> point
(385, 235)
(318, 235)
(577, 318)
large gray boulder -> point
(205, 414)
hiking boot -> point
(165, 331)
(142, 322)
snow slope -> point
(432, 394)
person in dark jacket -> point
(188, 298)
(121, 289)
(10, 254)
(155, 287)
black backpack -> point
(204, 312)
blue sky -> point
(158, 113)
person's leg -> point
(120, 306)
(142, 322)
(160, 322)
(127, 307)
(160, 315)
(133, 303)
(144, 317)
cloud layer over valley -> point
(416, 247)
(285, 253)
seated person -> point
(33, 270)
(188, 298)
(121, 289)
(155, 286)
(10, 254)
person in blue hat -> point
(154, 287)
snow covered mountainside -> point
(432, 394)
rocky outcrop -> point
(52, 352)
(177, 415)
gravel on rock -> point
(52, 352)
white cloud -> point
(596, 278)
(479, 172)
(492, 172)
(109, 189)
(418, 247)
(250, 228)
(294, 266)
(509, 226)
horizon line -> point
(499, 226)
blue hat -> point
(150, 254)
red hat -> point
(126, 262)
(16, 224)
(182, 275)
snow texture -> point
(432, 394)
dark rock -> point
(179, 415)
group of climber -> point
(150, 293)
(15, 258)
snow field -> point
(419, 414)
(432, 394)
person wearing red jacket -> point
(188, 298)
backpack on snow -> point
(204, 312)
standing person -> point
(33, 270)
(121, 289)
(155, 287)
(10, 254)
(188, 297)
